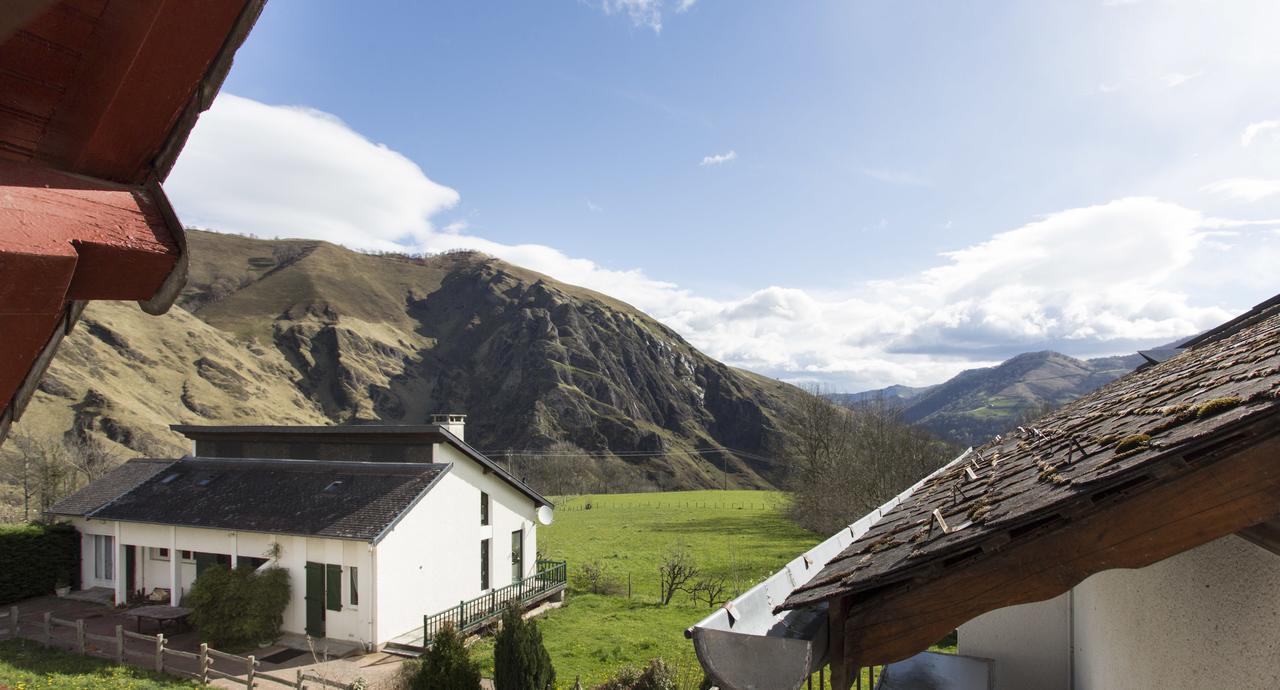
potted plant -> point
(63, 586)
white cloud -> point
(593, 207)
(1244, 188)
(277, 170)
(646, 13)
(719, 158)
(1099, 279)
(1108, 87)
(1173, 80)
(1252, 131)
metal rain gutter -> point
(744, 645)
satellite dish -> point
(544, 515)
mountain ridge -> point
(306, 332)
(979, 403)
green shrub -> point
(520, 662)
(237, 609)
(656, 676)
(446, 665)
(37, 558)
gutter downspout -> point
(373, 597)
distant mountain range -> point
(977, 404)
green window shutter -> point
(484, 508)
(333, 587)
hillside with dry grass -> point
(305, 332)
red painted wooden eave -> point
(69, 238)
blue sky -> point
(857, 193)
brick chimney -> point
(453, 423)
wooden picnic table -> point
(161, 614)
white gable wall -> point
(1209, 617)
(430, 560)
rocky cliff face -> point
(303, 332)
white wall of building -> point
(1029, 643)
(351, 623)
(430, 561)
(1209, 617)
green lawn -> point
(739, 535)
(28, 665)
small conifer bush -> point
(446, 665)
(520, 661)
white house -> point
(378, 526)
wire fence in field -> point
(662, 504)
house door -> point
(130, 570)
(517, 555)
(315, 599)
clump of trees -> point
(446, 665)
(843, 462)
(520, 661)
(43, 470)
(240, 608)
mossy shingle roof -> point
(1154, 420)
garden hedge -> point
(36, 558)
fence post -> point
(48, 629)
(80, 636)
(13, 615)
(160, 652)
(250, 663)
(119, 644)
(298, 685)
(204, 663)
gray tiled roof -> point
(341, 500)
(109, 486)
(1111, 440)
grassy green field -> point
(26, 665)
(741, 536)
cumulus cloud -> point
(646, 13)
(1244, 188)
(1256, 129)
(719, 158)
(268, 170)
(1094, 280)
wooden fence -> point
(201, 664)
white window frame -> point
(158, 553)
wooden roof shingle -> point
(1116, 442)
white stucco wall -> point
(1209, 617)
(431, 559)
(1029, 643)
(351, 623)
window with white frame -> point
(158, 553)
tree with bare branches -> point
(676, 572)
(845, 461)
